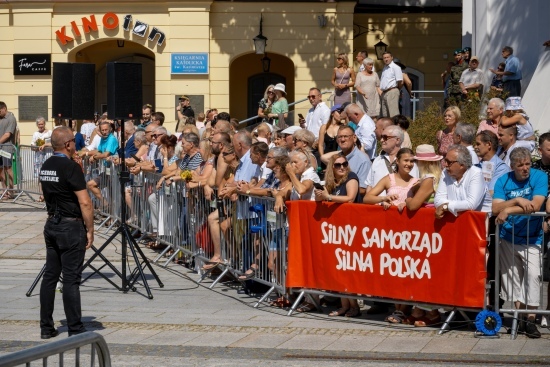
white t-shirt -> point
(308, 174)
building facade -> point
(204, 49)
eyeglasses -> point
(154, 136)
(387, 137)
(314, 96)
(339, 58)
(270, 92)
(225, 154)
(340, 165)
(344, 137)
(449, 163)
(73, 140)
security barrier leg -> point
(296, 303)
(264, 296)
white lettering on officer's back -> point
(48, 176)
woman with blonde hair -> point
(429, 169)
(341, 186)
(265, 104)
(343, 77)
(445, 137)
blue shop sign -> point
(189, 63)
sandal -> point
(211, 264)
(397, 317)
(353, 312)
(339, 312)
(280, 302)
(427, 321)
(249, 274)
(306, 307)
(40, 199)
(410, 320)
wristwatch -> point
(247, 192)
(446, 206)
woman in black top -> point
(341, 186)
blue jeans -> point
(65, 250)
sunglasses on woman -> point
(340, 165)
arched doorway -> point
(247, 82)
(103, 51)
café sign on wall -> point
(109, 21)
(32, 64)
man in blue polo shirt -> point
(521, 191)
(108, 146)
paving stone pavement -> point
(219, 325)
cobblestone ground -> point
(186, 324)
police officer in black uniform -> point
(68, 233)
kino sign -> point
(110, 21)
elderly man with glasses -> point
(461, 186)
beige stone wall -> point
(225, 30)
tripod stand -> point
(127, 241)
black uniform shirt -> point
(60, 178)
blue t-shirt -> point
(108, 144)
(79, 141)
(516, 227)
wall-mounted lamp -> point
(380, 47)
(322, 20)
(266, 63)
(260, 41)
(120, 43)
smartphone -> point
(301, 116)
(318, 186)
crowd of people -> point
(349, 153)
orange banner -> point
(411, 256)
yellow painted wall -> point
(299, 48)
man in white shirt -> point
(365, 128)
(361, 55)
(465, 134)
(86, 130)
(318, 114)
(461, 186)
(471, 78)
(390, 84)
(391, 139)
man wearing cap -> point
(287, 135)
(390, 84)
(184, 109)
(471, 78)
(453, 91)
(511, 80)
(318, 114)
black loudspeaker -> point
(73, 90)
(124, 90)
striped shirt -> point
(190, 162)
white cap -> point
(291, 130)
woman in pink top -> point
(445, 137)
(398, 188)
(397, 185)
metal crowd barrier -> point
(60, 347)
(252, 235)
(537, 261)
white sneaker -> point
(544, 321)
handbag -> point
(333, 94)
